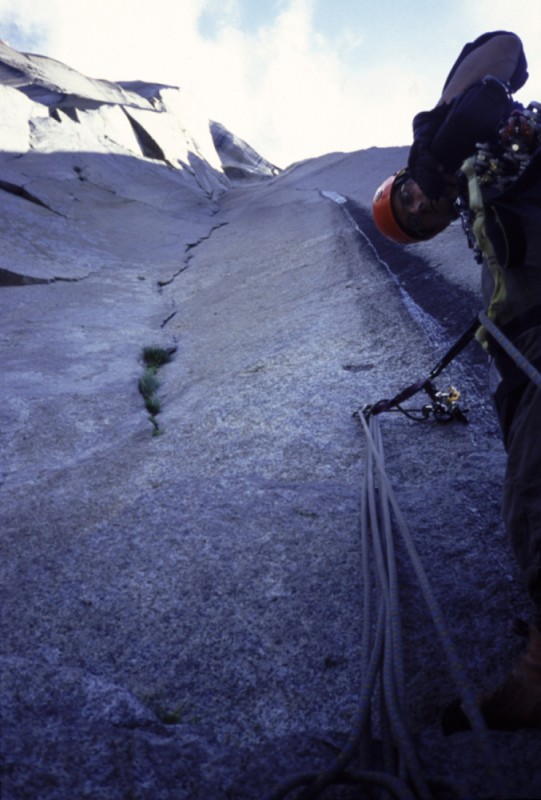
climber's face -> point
(419, 215)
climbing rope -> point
(508, 347)
(383, 699)
(383, 694)
(388, 499)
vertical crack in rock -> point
(168, 319)
(205, 238)
(188, 258)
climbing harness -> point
(444, 405)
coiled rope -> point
(381, 642)
(388, 503)
(383, 693)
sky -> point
(294, 78)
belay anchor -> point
(444, 405)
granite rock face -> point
(181, 581)
(240, 161)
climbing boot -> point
(515, 704)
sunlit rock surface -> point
(239, 160)
(182, 587)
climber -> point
(477, 155)
(472, 105)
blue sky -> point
(295, 78)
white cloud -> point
(302, 98)
(522, 18)
(290, 90)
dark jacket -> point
(445, 136)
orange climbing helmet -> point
(383, 213)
